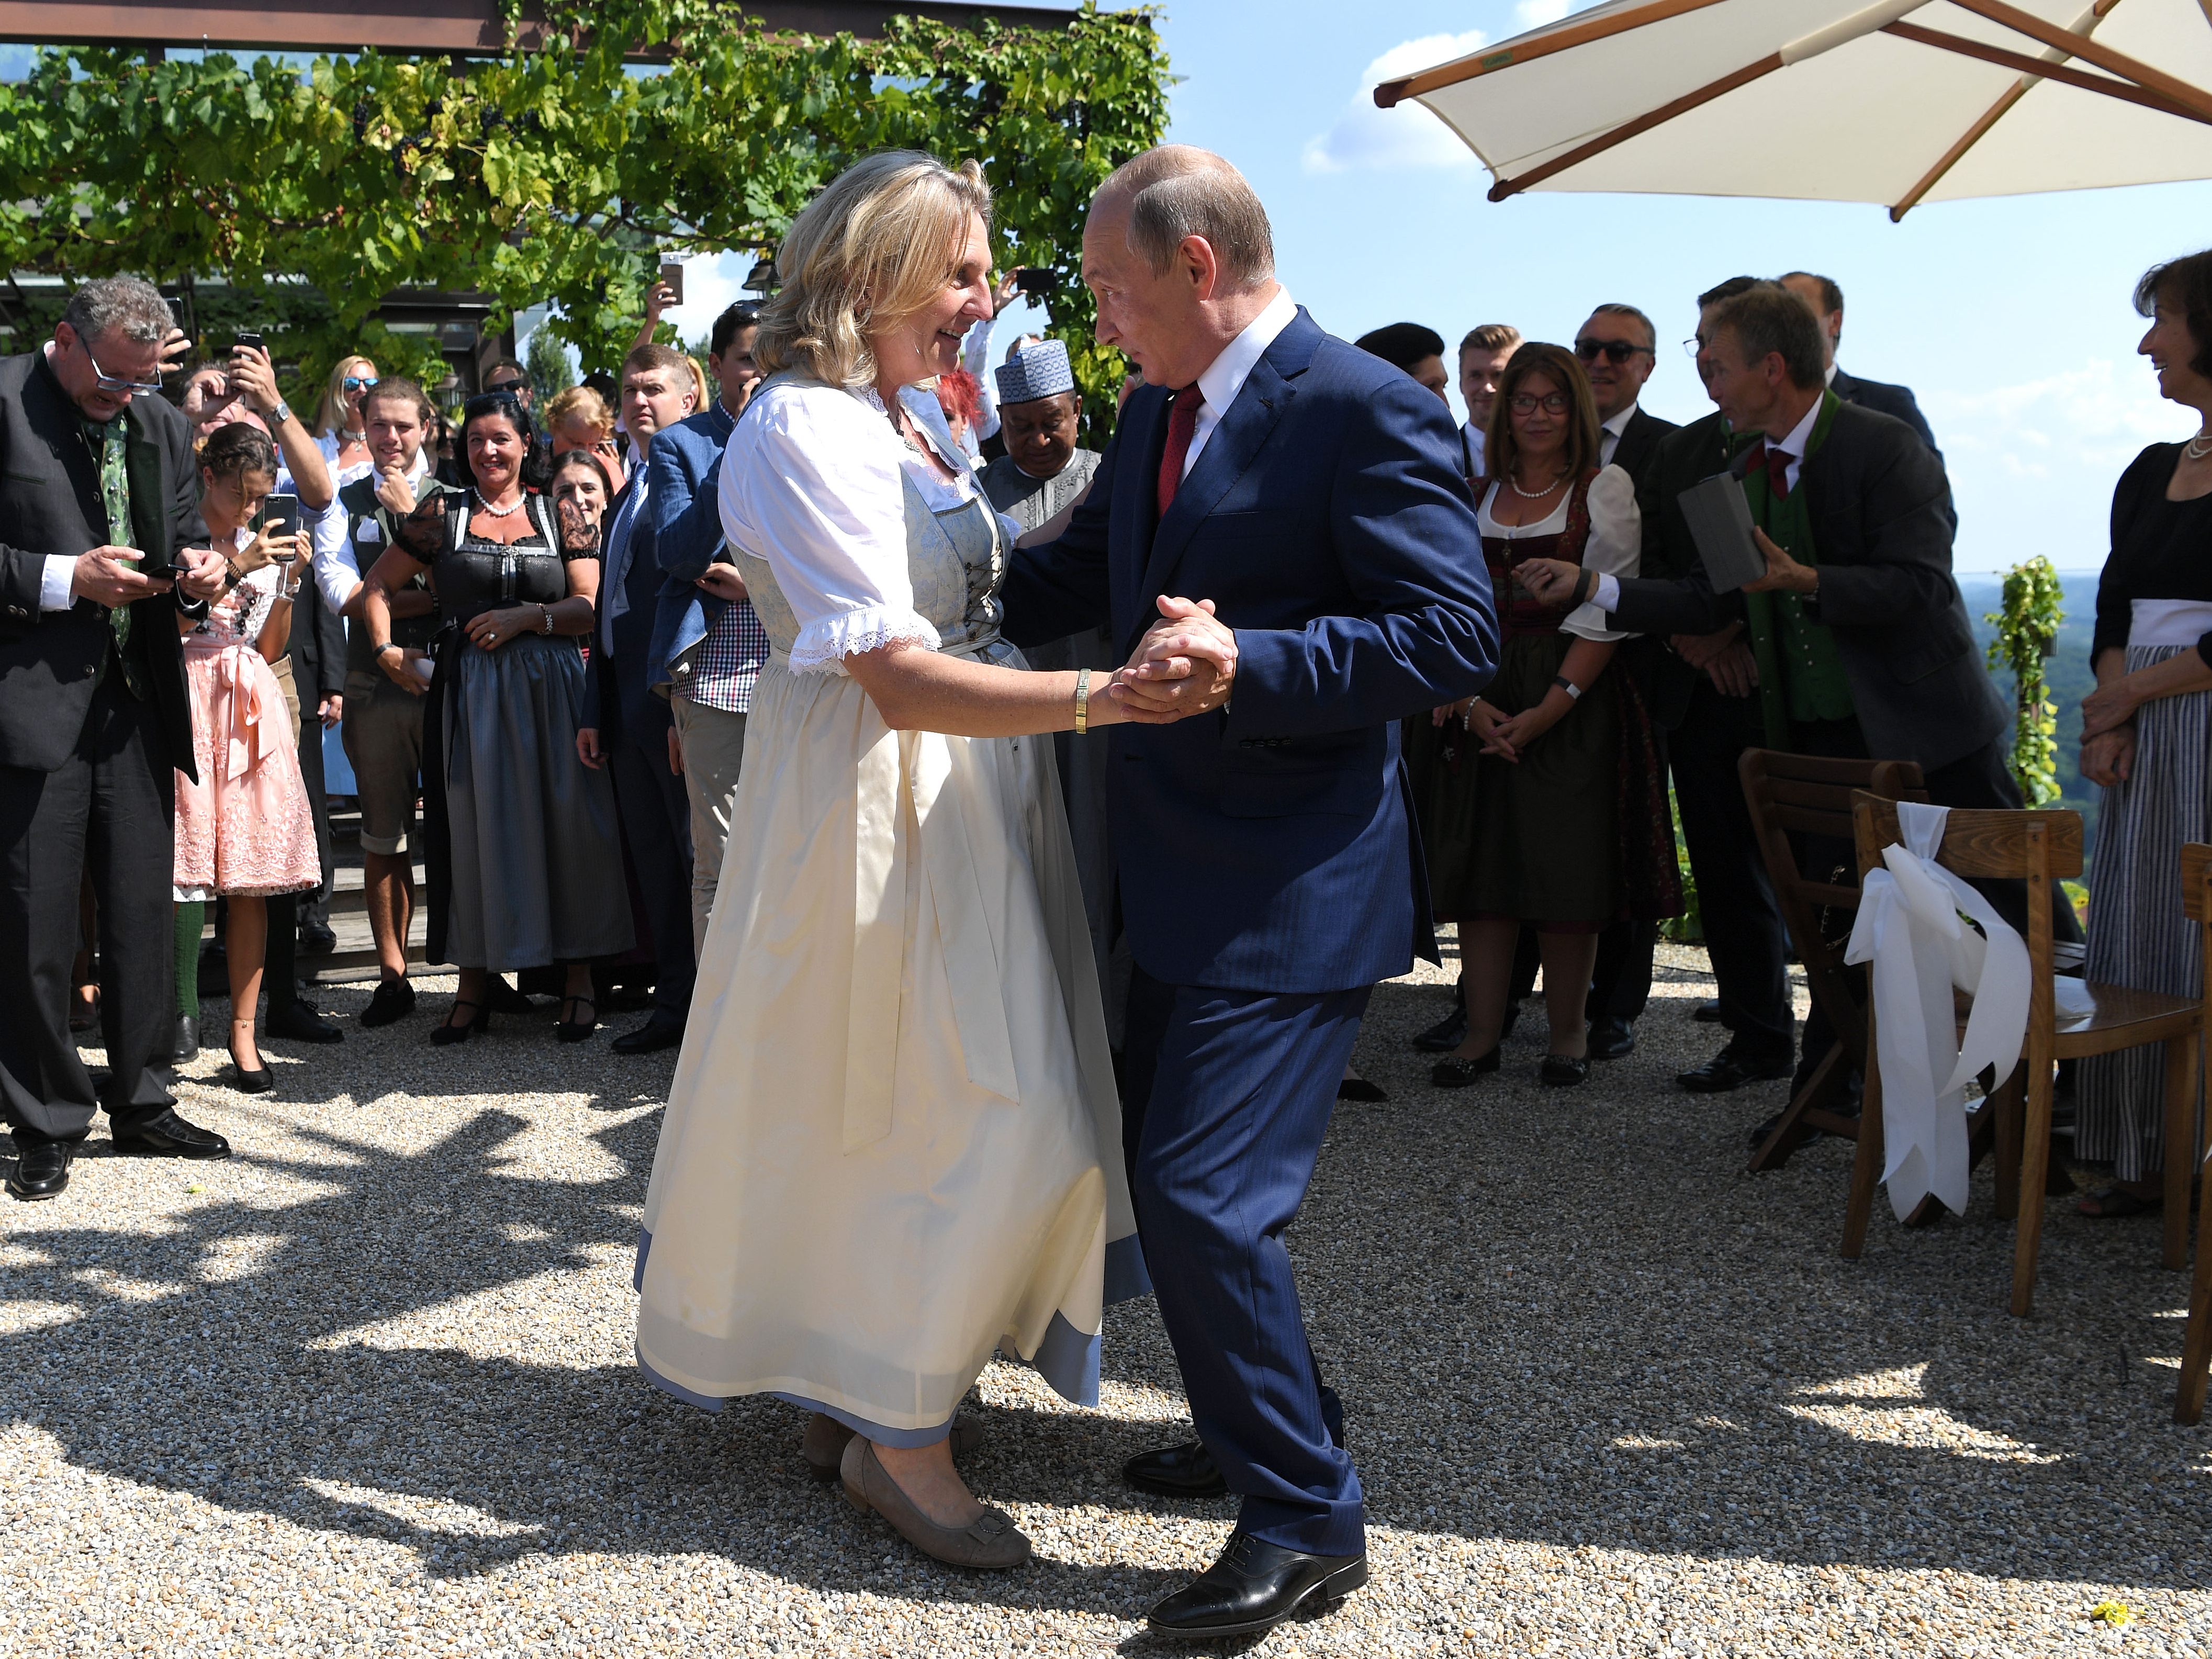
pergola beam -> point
(421, 28)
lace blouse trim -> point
(824, 644)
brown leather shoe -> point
(823, 1447)
(991, 1542)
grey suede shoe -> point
(991, 1542)
(823, 1447)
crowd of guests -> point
(524, 617)
(1543, 803)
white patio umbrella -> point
(1898, 102)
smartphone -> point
(248, 337)
(177, 316)
(1031, 280)
(280, 515)
(672, 275)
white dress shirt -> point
(813, 484)
(1472, 439)
(1225, 375)
(1615, 547)
(1608, 434)
(338, 558)
(1794, 446)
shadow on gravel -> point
(1569, 1321)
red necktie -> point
(1182, 422)
(1777, 471)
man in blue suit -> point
(708, 646)
(625, 724)
(1308, 496)
(1897, 401)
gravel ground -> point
(366, 1389)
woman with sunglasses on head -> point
(245, 830)
(520, 833)
(579, 419)
(1537, 818)
(340, 433)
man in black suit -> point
(1619, 349)
(1858, 631)
(1895, 401)
(625, 721)
(97, 499)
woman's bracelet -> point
(544, 618)
(1082, 702)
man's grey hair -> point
(129, 305)
(1615, 308)
(1179, 190)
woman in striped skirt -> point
(2146, 735)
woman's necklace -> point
(1535, 495)
(2200, 446)
(498, 512)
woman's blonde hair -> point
(582, 404)
(871, 249)
(331, 417)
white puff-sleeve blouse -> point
(1615, 547)
(812, 484)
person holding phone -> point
(245, 831)
(341, 434)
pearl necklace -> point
(498, 512)
(1535, 495)
(2200, 446)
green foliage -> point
(547, 359)
(1689, 927)
(2027, 633)
(555, 174)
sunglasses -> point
(360, 382)
(510, 388)
(107, 382)
(1616, 352)
(1527, 403)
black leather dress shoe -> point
(1731, 1069)
(1564, 1070)
(41, 1168)
(1453, 1072)
(392, 1000)
(1446, 1034)
(663, 1030)
(1183, 1471)
(187, 1045)
(1255, 1587)
(316, 939)
(1707, 1013)
(1359, 1089)
(298, 1022)
(170, 1136)
(503, 999)
(1610, 1038)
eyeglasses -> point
(1527, 403)
(360, 382)
(107, 382)
(512, 388)
(1616, 352)
(1693, 345)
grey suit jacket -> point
(50, 503)
(1881, 527)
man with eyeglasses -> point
(98, 505)
(1618, 350)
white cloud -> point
(1534, 13)
(1407, 137)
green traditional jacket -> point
(1801, 674)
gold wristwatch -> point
(1082, 701)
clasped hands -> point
(1185, 665)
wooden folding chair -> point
(1811, 796)
(2034, 847)
(2197, 1345)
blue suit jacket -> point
(617, 695)
(1270, 846)
(684, 463)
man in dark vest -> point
(99, 502)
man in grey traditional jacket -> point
(1038, 484)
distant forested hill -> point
(2070, 674)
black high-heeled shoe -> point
(451, 1032)
(575, 1030)
(257, 1080)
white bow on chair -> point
(1909, 929)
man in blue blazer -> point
(625, 726)
(1310, 495)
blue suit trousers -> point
(1227, 1095)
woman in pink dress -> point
(245, 830)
